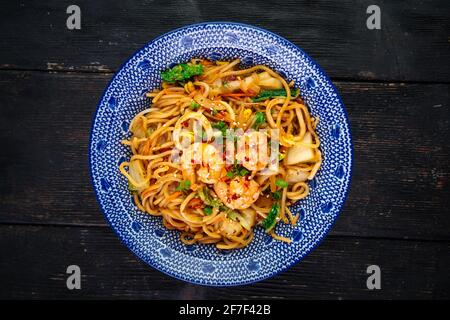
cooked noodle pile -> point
(222, 151)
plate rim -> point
(150, 262)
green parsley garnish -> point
(281, 183)
(260, 119)
(269, 222)
(237, 171)
(183, 185)
(276, 195)
(194, 105)
(181, 72)
(207, 210)
(276, 93)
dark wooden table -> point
(393, 81)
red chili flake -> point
(234, 196)
(185, 124)
(192, 161)
(221, 115)
(247, 159)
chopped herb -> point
(181, 72)
(269, 222)
(194, 105)
(205, 196)
(222, 126)
(237, 170)
(183, 185)
(131, 187)
(276, 195)
(260, 118)
(281, 156)
(268, 94)
(281, 183)
(243, 172)
(214, 111)
(207, 210)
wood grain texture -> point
(38, 257)
(394, 83)
(401, 173)
(411, 45)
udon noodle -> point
(221, 151)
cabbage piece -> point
(266, 81)
(300, 153)
(137, 129)
(247, 218)
(295, 175)
(250, 83)
(137, 172)
(230, 227)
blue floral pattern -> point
(144, 234)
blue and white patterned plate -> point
(144, 234)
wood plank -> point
(400, 181)
(411, 45)
(36, 258)
(45, 134)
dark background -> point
(394, 83)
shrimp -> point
(239, 193)
(204, 161)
